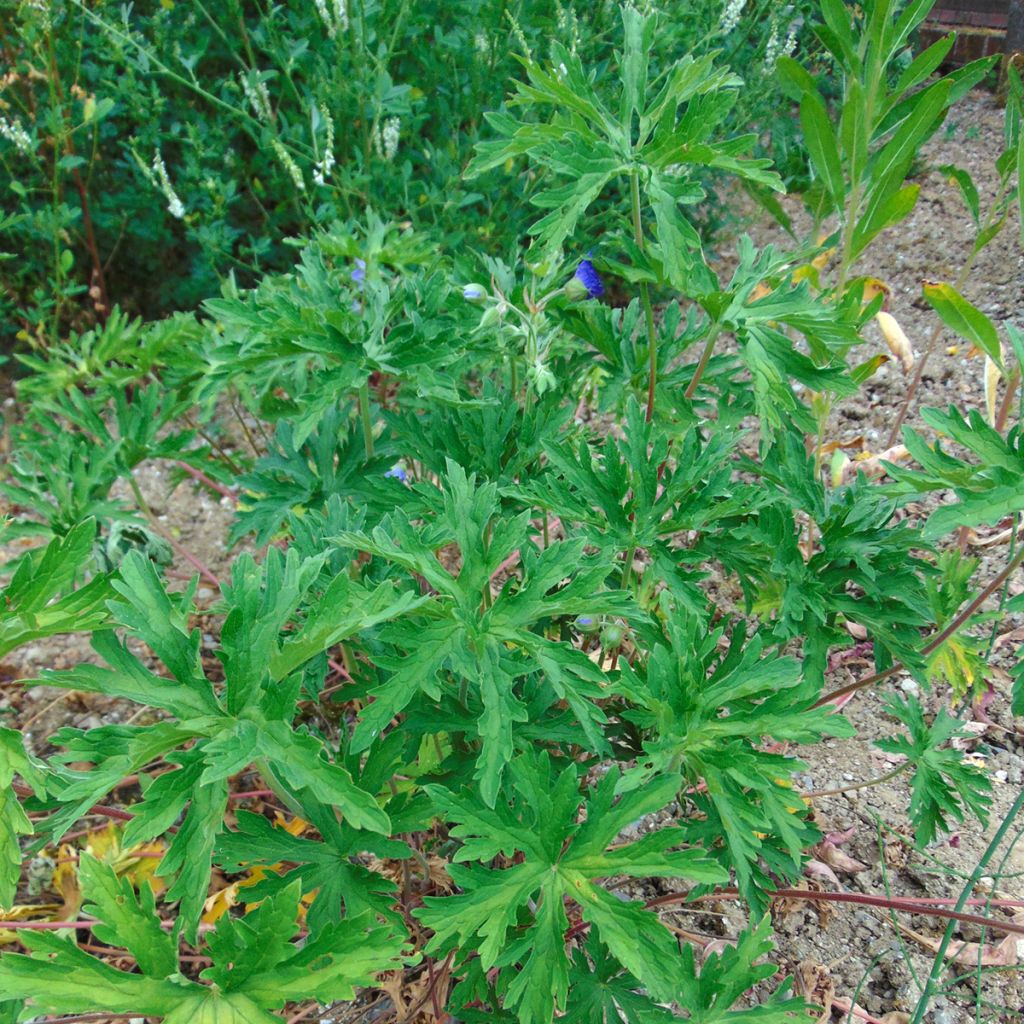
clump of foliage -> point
(474, 676)
(149, 152)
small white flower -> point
(341, 15)
(386, 140)
(777, 48)
(255, 90)
(335, 18)
(175, 207)
(323, 167)
(14, 132)
(731, 15)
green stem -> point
(627, 569)
(262, 765)
(709, 345)
(364, 415)
(645, 297)
(938, 964)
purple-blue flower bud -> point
(590, 279)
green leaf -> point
(710, 995)
(128, 921)
(297, 758)
(964, 319)
(944, 786)
(819, 135)
(256, 966)
(890, 212)
(331, 868)
(14, 822)
(560, 859)
(31, 606)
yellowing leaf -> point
(873, 287)
(898, 342)
(23, 912)
(992, 378)
(65, 882)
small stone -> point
(1000, 776)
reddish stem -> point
(199, 475)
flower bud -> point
(587, 624)
(611, 637)
(585, 282)
(473, 292)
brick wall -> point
(980, 26)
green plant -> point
(487, 648)
(155, 152)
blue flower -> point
(398, 474)
(590, 279)
(359, 274)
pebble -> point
(1000, 776)
(204, 594)
(910, 686)
(849, 776)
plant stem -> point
(709, 345)
(899, 770)
(262, 765)
(645, 297)
(364, 415)
(938, 963)
(937, 640)
(627, 568)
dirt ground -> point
(855, 953)
(858, 946)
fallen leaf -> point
(835, 858)
(815, 984)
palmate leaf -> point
(458, 644)
(944, 786)
(247, 722)
(305, 474)
(987, 488)
(329, 867)
(256, 967)
(585, 146)
(515, 917)
(40, 601)
(703, 716)
(709, 996)
(866, 568)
